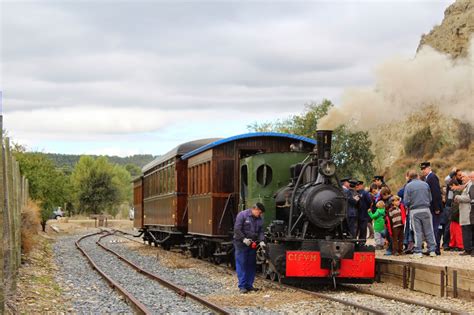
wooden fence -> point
(13, 197)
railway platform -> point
(448, 275)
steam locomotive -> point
(189, 198)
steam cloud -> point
(403, 86)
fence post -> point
(2, 205)
(11, 219)
(18, 208)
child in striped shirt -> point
(396, 216)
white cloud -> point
(102, 70)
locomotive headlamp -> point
(327, 168)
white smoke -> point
(406, 85)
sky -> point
(140, 77)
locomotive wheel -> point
(275, 276)
(202, 251)
(155, 243)
(194, 253)
(216, 260)
(265, 270)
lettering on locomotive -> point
(303, 257)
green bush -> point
(423, 143)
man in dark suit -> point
(365, 202)
(436, 201)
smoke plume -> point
(403, 86)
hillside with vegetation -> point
(428, 134)
(68, 161)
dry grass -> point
(30, 226)
(441, 162)
(168, 258)
(38, 292)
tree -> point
(303, 125)
(133, 169)
(49, 187)
(352, 153)
(100, 186)
(351, 149)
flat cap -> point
(353, 182)
(378, 177)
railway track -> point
(348, 295)
(133, 300)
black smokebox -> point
(324, 138)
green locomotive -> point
(262, 175)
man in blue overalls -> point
(248, 232)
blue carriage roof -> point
(246, 136)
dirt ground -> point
(77, 226)
(272, 295)
(37, 291)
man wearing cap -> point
(364, 205)
(436, 201)
(248, 232)
(379, 181)
(352, 206)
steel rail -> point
(317, 294)
(139, 307)
(181, 291)
(360, 290)
(404, 300)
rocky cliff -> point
(428, 134)
(453, 34)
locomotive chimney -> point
(323, 138)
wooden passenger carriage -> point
(214, 178)
(160, 196)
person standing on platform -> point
(452, 180)
(396, 216)
(385, 195)
(436, 206)
(408, 240)
(417, 198)
(353, 199)
(466, 213)
(248, 232)
(379, 223)
(365, 203)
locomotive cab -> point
(310, 240)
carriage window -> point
(264, 175)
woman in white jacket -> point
(466, 213)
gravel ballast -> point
(158, 260)
(88, 293)
(152, 294)
(81, 285)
